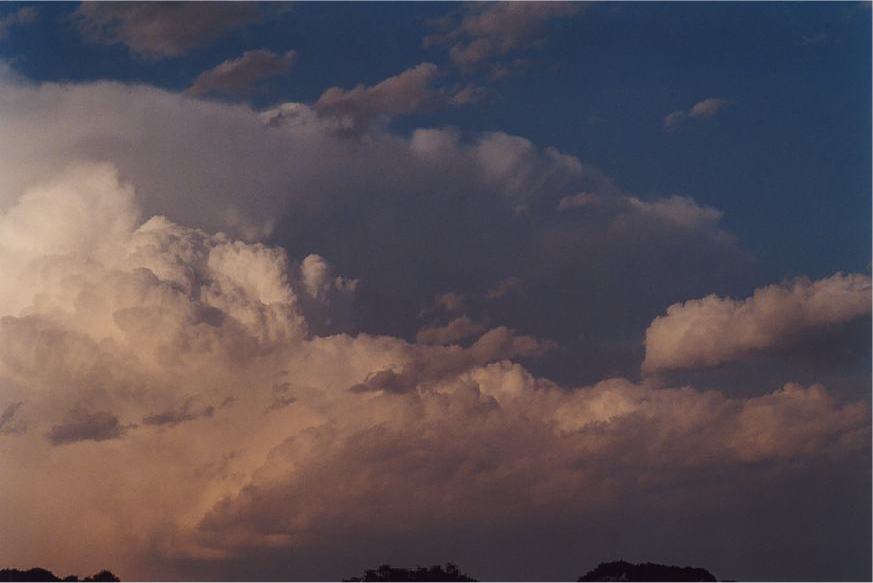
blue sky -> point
(545, 284)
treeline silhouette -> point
(37, 574)
(614, 571)
(435, 573)
(624, 571)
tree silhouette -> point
(37, 574)
(624, 571)
(435, 573)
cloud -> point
(580, 200)
(707, 107)
(503, 288)
(816, 39)
(240, 76)
(714, 330)
(83, 426)
(188, 410)
(409, 92)
(161, 30)
(484, 32)
(8, 424)
(448, 302)
(456, 330)
(679, 211)
(492, 469)
(22, 16)
(109, 313)
(700, 110)
(374, 206)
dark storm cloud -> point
(188, 410)
(8, 424)
(83, 426)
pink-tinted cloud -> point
(713, 330)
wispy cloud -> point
(240, 76)
(486, 31)
(161, 29)
(22, 16)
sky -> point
(293, 290)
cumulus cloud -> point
(22, 16)
(473, 452)
(240, 76)
(109, 315)
(486, 31)
(713, 330)
(375, 206)
(700, 110)
(162, 29)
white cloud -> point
(700, 110)
(240, 76)
(713, 330)
(707, 107)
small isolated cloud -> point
(450, 301)
(241, 75)
(161, 29)
(22, 16)
(82, 426)
(503, 288)
(700, 110)
(188, 410)
(707, 107)
(713, 330)
(814, 39)
(451, 333)
(490, 30)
